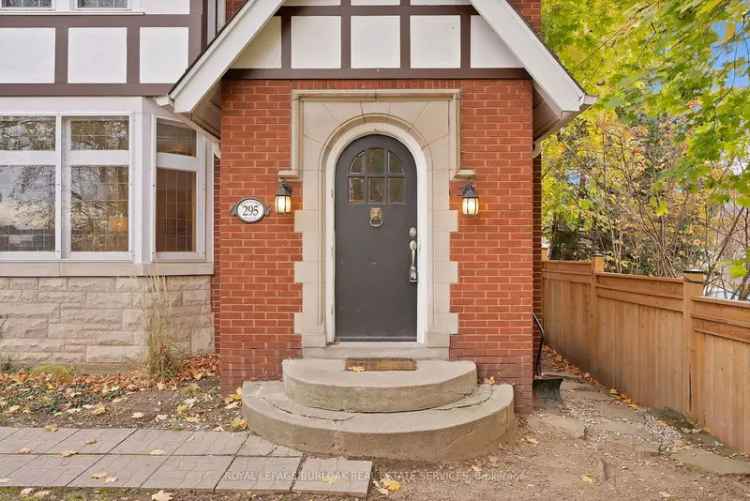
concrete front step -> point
(326, 384)
(463, 429)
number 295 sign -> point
(249, 210)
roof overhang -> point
(558, 97)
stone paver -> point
(12, 462)
(98, 441)
(120, 472)
(711, 462)
(334, 476)
(6, 432)
(50, 471)
(285, 452)
(256, 446)
(189, 472)
(36, 440)
(212, 443)
(151, 441)
(260, 474)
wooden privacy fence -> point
(656, 340)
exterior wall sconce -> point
(284, 198)
(470, 202)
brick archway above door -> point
(323, 124)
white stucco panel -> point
(265, 50)
(97, 55)
(316, 42)
(435, 41)
(164, 54)
(376, 2)
(488, 50)
(28, 55)
(376, 42)
(166, 6)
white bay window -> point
(179, 192)
(105, 194)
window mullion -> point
(59, 165)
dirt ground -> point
(595, 444)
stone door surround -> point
(324, 122)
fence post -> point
(597, 266)
(693, 284)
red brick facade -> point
(495, 295)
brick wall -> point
(494, 296)
(530, 9)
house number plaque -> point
(250, 210)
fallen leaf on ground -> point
(98, 410)
(100, 475)
(27, 492)
(532, 440)
(42, 494)
(67, 454)
(490, 380)
(157, 452)
(51, 428)
(665, 494)
(390, 484)
(89, 442)
(238, 424)
(137, 415)
(109, 480)
(161, 496)
(161, 417)
(231, 406)
(24, 450)
(587, 479)
(357, 368)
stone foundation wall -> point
(98, 321)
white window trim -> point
(93, 157)
(197, 164)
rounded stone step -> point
(326, 384)
(464, 429)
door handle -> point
(413, 249)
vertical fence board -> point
(655, 340)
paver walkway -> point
(160, 459)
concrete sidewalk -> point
(161, 459)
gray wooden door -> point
(376, 207)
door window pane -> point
(175, 210)
(358, 164)
(27, 133)
(356, 189)
(27, 208)
(99, 208)
(175, 139)
(394, 165)
(396, 191)
(375, 162)
(377, 190)
(110, 134)
(27, 4)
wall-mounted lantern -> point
(284, 198)
(470, 202)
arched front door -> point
(376, 236)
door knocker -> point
(376, 217)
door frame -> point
(424, 224)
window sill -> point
(101, 269)
(81, 12)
